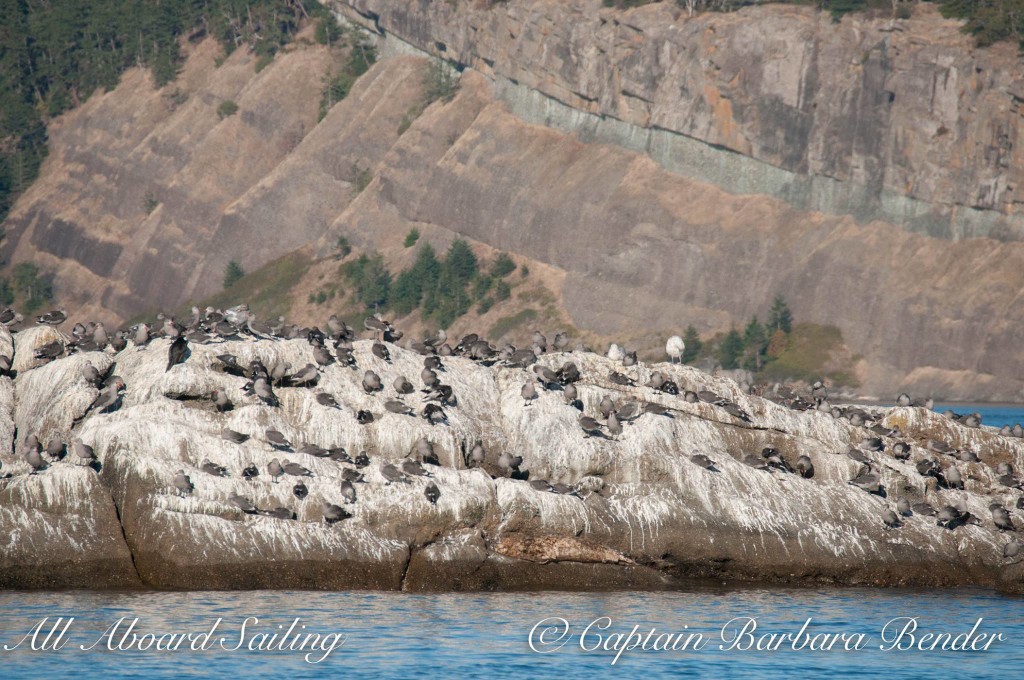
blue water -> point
(996, 416)
(398, 635)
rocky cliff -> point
(631, 213)
(635, 510)
(903, 121)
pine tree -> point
(232, 273)
(730, 350)
(755, 341)
(780, 318)
(693, 344)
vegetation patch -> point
(55, 54)
(361, 56)
(227, 108)
(29, 286)
(506, 324)
(267, 290)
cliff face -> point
(642, 515)
(643, 230)
(902, 121)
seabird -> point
(615, 353)
(903, 400)
(334, 513)
(243, 504)
(339, 455)
(398, 407)
(1012, 549)
(869, 481)
(391, 474)
(305, 376)
(606, 407)
(213, 469)
(631, 410)
(434, 414)
(569, 394)
(1001, 518)
(53, 318)
(177, 352)
(109, 395)
(220, 401)
(1010, 482)
(568, 373)
(9, 317)
(403, 386)
(261, 388)
(805, 467)
(55, 448)
(321, 356)
(528, 392)
(690, 397)
(275, 470)
(348, 491)
(903, 507)
(428, 377)
(700, 460)
(414, 469)
(49, 351)
(325, 399)
(277, 440)
(313, 450)
(656, 380)
(84, 454)
(590, 426)
(873, 444)
(294, 469)
(561, 340)
(364, 417)
(614, 427)
(545, 375)
(953, 478)
(362, 460)
(424, 449)
(380, 351)
(300, 490)
(371, 382)
(773, 459)
(354, 476)
(279, 513)
(923, 508)
(91, 374)
(476, 456)
(376, 325)
(674, 348)
(250, 472)
(232, 436)
(890, 519)
(901, 451)
(540, 485)
(432, 493)
(34, 459)
(620, 379)
(182, 484)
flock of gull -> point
(334, 345)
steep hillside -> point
(149, 193)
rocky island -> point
(204, 472)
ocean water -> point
(994, 415)
(401, 635)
